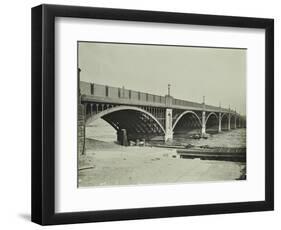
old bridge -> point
(146, 116)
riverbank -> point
(109, 164)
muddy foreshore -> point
(109, 164)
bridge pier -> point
(219, 122)
(203, 131)
(229, 122)
(169, 125)
(122, 137)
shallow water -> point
(102, 131)
(232, 138)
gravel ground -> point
(108, 164)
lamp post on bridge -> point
(169, 89)
(203, 131)
(78, 84)
(169, 116)
(81, 119)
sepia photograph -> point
(141, 114)
(160, 114)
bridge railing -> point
(186, 103)
(98, 90)
(87, 88)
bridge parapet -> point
(97, 90)
(102, 93)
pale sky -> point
(219, 74)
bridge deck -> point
(112, 95)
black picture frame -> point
(43, 114)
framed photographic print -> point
(144, 114)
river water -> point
(102, 131)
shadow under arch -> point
(232, 121)
(187, 122)
(138, 123)
(224, 121)
(212, 123)
(238, 122)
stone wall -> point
(85, 88)
(81, 129)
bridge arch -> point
(138, 122)
(209, 115)
(187, 121)
(224, 121)
(232, 121)
(212, 123)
